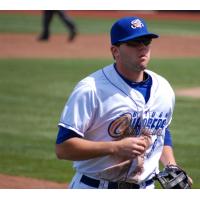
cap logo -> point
(136, 24)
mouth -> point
(142, 56)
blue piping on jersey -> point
(143, 87)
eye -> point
(133, 43)
(137, 43)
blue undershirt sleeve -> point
(65, 134)
(168, 138)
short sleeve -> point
(79, 110)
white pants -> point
(77, 184)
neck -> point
(134, 76)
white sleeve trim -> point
(71, 128)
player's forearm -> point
(167, 156)
(81, 149)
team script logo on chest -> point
(132, 124)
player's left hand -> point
(174, 177)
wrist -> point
(114, 146)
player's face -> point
(134, 55)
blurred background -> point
(38, 72)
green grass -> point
(179, 72)
(20, 23)
(33, 94)
(177, 27)
(186, 136)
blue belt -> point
(112, 185)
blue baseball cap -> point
(129, 28)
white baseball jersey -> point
(97, 107)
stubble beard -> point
(137, 67)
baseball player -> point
(115, 124)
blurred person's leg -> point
(46, 20)
(68, 23)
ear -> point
(115, 51)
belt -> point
(112, 185)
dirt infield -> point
(16, 182)
(90, 46)
(189, 92)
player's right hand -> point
(130, 147)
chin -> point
(143, 63)
(142, 67)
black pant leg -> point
(67, 20)
(47, 18)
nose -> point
(141, 46)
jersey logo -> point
(121, 127)
(131, 124)
(136, 24)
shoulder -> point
(96, 79)
(91, 83)
(160, 79)
(161, 83)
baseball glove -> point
(173, 177)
